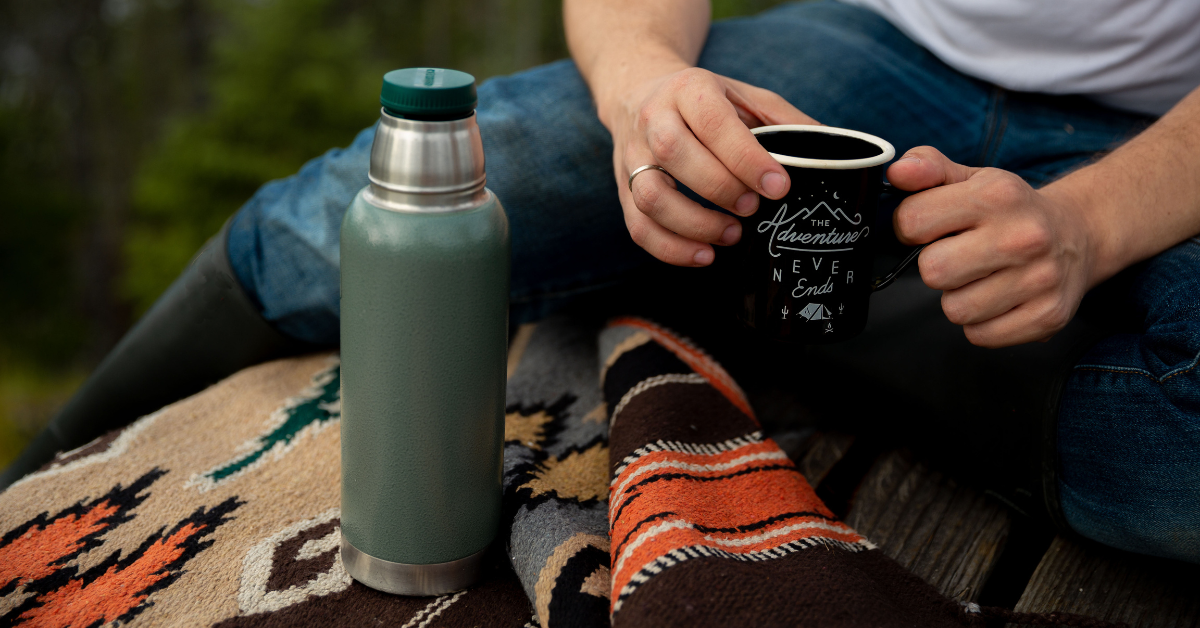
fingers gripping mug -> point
(804, 271)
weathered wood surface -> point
(1085, 578)
(825, 449)
(953, 536)
(784, 419)
(949, 534)
(517, 345)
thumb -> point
(925, 167)
(759, 107)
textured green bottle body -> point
(424, 325)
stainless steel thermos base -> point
(405, 579)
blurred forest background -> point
(131, 129)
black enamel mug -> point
(804, 262)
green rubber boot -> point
(202, 329)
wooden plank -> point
(784, 418)
(516, 347)
(825, 449)
(1088, 579)
(794, 441)
(949, 534)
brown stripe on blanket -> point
(685, 412)
(822, 586)
(637, 365)
(97, 445)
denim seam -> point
(1116, 369)
(1000, 130)
(989, 125)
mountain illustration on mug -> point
(836, 212)
(807, 231)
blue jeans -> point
(550, 161)
(1129, 422)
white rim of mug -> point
(831, 164)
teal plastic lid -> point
(428, 94)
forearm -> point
(1144, 197)
(618, 44)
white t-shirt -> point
(1139, 55)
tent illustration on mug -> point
(816, 312)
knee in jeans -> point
(1168, 288)
(1129, 459)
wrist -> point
(616, 83)
(1106, 241)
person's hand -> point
(1014, 262)
(696, 125)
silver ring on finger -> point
(643, 169)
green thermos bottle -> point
(425, 275)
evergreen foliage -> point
(130, 130)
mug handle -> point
(882, 282)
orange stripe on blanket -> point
(671, 534)
(704, 486)
(719, 457)
(698, 360)
(724, 502)
(778, 534)
(667, 461)
(748, 501)
(694, 449)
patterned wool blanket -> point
(639, 491)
